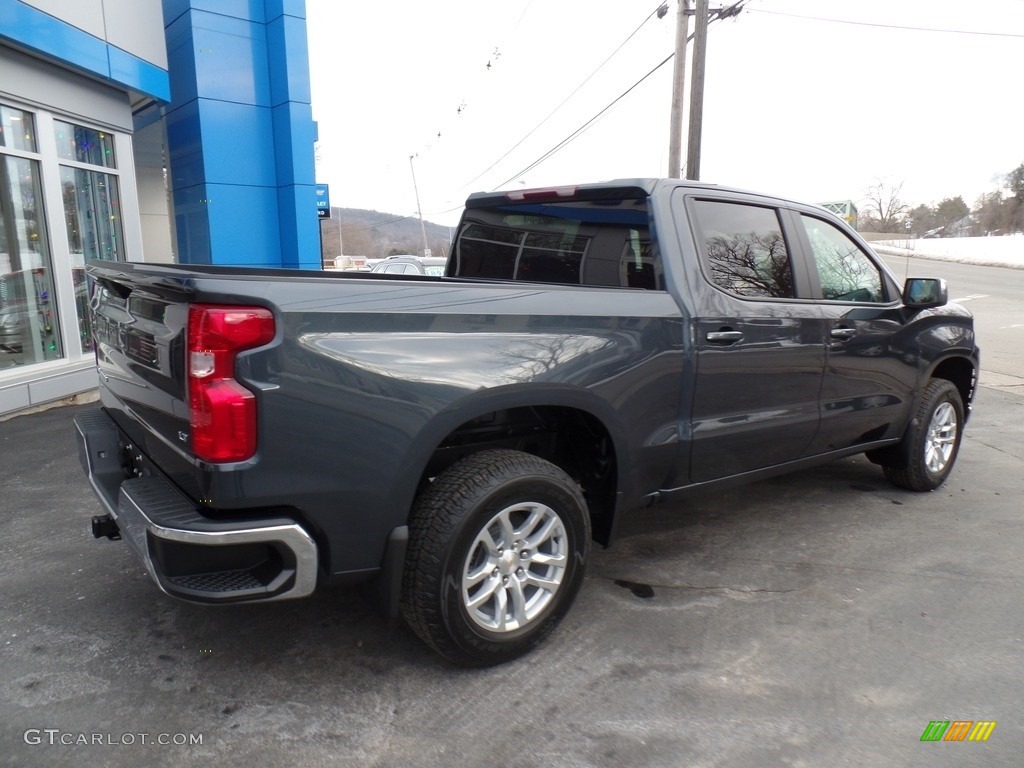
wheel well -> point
(961, 373)
(569, 438)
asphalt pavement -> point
(821, 619)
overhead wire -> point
(888, 26)
(575, 134)
(566, 99)
(470, 91)
(718, 15)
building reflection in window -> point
(92, 206)
(28, 324)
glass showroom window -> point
(92, 205)
(28, 323)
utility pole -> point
(700, 47)
(419, 211)
(675, 138)
(341, 245)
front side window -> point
(744, 250)
(844, 270)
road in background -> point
(996, 297)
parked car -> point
(411, 265)
(458, 442)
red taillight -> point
(223, 412)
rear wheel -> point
(497, 549)
(924, 459)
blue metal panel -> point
(277, 8)
(300, 243)
(173, 9)
(230, 59)
(57, 39)
(192, 225)
(242, 173)
(286, 41)
(185, 141)
(244, 227)
(300, 236)
(181, 59)
(294, 135)
(238, 144)
(60, 41)
(251, 10)
(143, 76)
(227, 224)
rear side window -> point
(844, 270)
(744, 250)
(605, 243)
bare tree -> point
(884, 209)
(751, 264)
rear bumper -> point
(188, 555)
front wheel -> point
(498, 544)
(925, 457)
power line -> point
(572, 136)
(565, 100)
(887, 26)
(718, 15)
(467, 100)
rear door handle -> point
(720, 337)
(843, 333)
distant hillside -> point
(375, 235)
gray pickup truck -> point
(457, 442)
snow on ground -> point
(991, 251)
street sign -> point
(323, 201)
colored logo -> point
(958, 730)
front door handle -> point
(843, 333)
(720, 337)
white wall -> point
(135, 26)
(35, 82)
(149, 146)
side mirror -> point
(924, 293)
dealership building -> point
(141, 130)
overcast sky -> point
(816, 109)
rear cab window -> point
(743, 249)
(579, 242)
